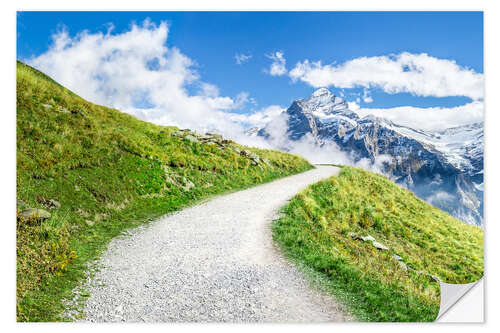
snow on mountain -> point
(427, 163)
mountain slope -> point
(379, 248)
(97, 172)
(444, 168)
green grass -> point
(314, 231)
(110, 169)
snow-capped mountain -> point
(444, 168)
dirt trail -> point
(214, 262)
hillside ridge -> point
(85, 173)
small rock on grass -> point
(353, 235)
(63, 110)
(188, 185)
(434, 278)
(177, 134)
(52, 204)
(402, 265)
(368, 238)
(380, 246)
(396, 257)
(36, 214)
(191, 138)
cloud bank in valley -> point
(429, 119)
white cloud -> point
(278, 66)
(209, 90)
(366, 96)
(242, 58)
(327, 152)
(354, 106)
(440, 198)
(135, 69)
(418, 74)
(432, 118)
(259, 118)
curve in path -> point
(213, 262)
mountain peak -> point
(322, 102)
(320, 92)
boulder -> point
(55, 203)
(204, 137)
(176, 134)
(368, 238)
(35, 214)
(89, 222)
(396, 257)
(63, 110)
(380, 246)
(188, 185)
(215, 136)
(52, 204)
(402, 265)
(353, 235)
(434, 278)
(254, 158)
(191, 138)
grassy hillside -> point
(395, 277)
(108, 172)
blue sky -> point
(211, 40)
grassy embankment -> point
(321, 227)
(109, 171)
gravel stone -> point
(213, 262)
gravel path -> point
(214, 262)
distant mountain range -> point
(445, 168)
